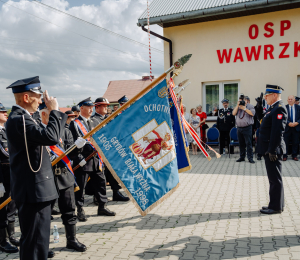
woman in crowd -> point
(187, 118)
(203, 117)
(195, 123)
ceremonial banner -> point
(183, 159)
(138, 148)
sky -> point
(74, 59)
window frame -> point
(221, 94)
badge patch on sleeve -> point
(279, 116)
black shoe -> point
(72, 242)
(104, 211)
(265, 208)
(55, 212)
(81, 214)
(251, 161)
(118, 196)
(259, 158)
(52, 217)
(240, 160)
(270, 211)
(51, 254)
(11, 234)
(95, 201)
(5, 246)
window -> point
(214, 93)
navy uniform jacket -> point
(225, 120)
(271, 131)
(99, 117)
(4, 156)
(66, 178)
(85, 151)
(28, 186)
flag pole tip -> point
(182, 61)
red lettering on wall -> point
(269, 30)
(225, 55)
(268, 50)
(284, 25)
(251, 35)
(238, 55)
(282, 55)
(296, 49)
(253, 52)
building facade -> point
(237, 55)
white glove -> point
(82, 163)
(2, 190)
(80, 142)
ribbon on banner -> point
(192, 132)
(84, 131)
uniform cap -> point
(101, 101)
(2, 107)
(42, 106)
(70, 113)
(86, 102)
(225, 100)
(273, 89)
(75, 108)
(297, 98)
(123, 100)
(24, 85)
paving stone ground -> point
(213, 215)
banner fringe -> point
(155, 204)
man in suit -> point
(32, 182)
(271, 145)
(225, 122)
(91, 168)
(8, 242)
(65, 179)
(101, 105)
(292, 128)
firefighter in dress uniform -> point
(272, 146)
(32, 182)
(91, 168)
(8, 242)
(101, 105)
(225, 122)
(65, 179)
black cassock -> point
(32, 185)
(270, 140)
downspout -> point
(165, 39)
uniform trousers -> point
(276, 193)
(224, 136)
(7, 214)
(66, 205)
(112, 181)
(98, 182)
(293, 136)
(35, 220)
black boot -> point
(11, 234)
(95, 201)
(81, 214)
(51, 254)
(72, 242)
(5, 246)
(104, 211)
(118, 196)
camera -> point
(242, 102)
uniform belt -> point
(59, 171)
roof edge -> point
(213, 11)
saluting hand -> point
(50, 102)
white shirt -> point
(22, 109)
(292, 107)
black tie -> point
(89, 124)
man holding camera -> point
(244, 120)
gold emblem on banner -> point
(163, 92)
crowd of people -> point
(31, 138)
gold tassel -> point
(218, 155)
